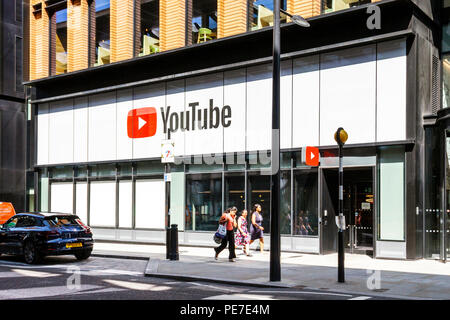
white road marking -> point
(239, 296)
(361, 298)
(100, 291)
(35, 274)
(213, 287)
(41, 292)
(136, 285)
(303, 292)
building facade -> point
(111, 78)
(12, 106)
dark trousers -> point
(230, 239)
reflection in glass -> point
(204, 20)
(336, 5)
(285, 202)
(446, 81)
(433, 196)
(61, 41)
(259, 192)
(305, 203)
(203, 202)
(261, 13)
(102, 34)
(149, 27)
(235, 191)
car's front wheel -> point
(30, 253)
(83, 255)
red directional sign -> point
(311, 156)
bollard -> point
(174, 255)
(168, 242)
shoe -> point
(249, 255)
(216, 256)
(232, 260)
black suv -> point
(36, 235)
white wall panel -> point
(202, 90)
(259, 107)
(150, 205)
(61, 132)
(102, 208)
(144, 97)
(125, 204)
(42, 133)
(306, 102)
(391, 91)
(347, 94)
(102, 127)
(123, 106)
(235, 97)
(175, 99)
(80, 129)
(61, 197)
(81, 201)
(286, 105)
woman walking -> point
(228, 217)
(256, 228)
(242, 236)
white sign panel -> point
(167, 151)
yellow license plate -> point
(74, 245)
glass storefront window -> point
(149, 27)
(102, 32)
(103, 170)
(306, 203)
(285, 202)
(62, 173)
(235, 191)
(203, 201)
(60, 41)
(81, 172)
(125, 169)
(336, 5)
(391, 173)
(261, 13)
(446, 81)
(259, 192)
(203, 20)
(151, 167)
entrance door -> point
(358, 209)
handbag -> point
(221, 231)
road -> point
(101, 278)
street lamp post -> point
(275, 237)
(341, 137)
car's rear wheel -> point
(83, 255)
(31, 253)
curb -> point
(119, 256)
(242, 283)
(151, 270)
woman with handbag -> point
(229, 219)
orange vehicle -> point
(6, 211)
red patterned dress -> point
(242, 239)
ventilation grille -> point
(435, 86)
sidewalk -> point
(422, 279)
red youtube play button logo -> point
(311, 156)
(142, 123)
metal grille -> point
(435, 86)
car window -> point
(63, 220)
(11, 223)
(26, 221)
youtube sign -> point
(310, 156)
(142, 123)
